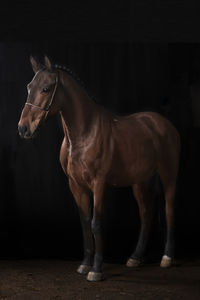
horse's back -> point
(149, 125)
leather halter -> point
(52, 97)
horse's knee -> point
(85, 219)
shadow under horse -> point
(101, 149)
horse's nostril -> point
(23, 130)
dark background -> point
(130, 58)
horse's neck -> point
(79, 113)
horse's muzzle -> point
(24, 132)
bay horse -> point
(101, 149)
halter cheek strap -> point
(46, 109)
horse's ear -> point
(35, 65)
(47, 63)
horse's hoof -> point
(131, 262)
(166, 261)
(94, 276)
(84, 269)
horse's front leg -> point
(84, 205)
(96, 273)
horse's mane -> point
(71, 73)
(77, 79)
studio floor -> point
(57, 280)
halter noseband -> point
(52, 97)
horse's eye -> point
(45, 90)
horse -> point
(102, 149)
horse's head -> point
(40, 103)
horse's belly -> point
(127, 178)
(127, 170)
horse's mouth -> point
(31, 135)
(35, 132)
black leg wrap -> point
(169, 250)
(88, 257)
(138, 253)
(137, 257)
(98, 260)
(96, 226)
(98, 257)
(169, 247)
(140, 249)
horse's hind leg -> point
(168, 169)
(146, 207)
(169, 185)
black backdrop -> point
(38, 215)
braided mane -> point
(70, 72)
(76, 78)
